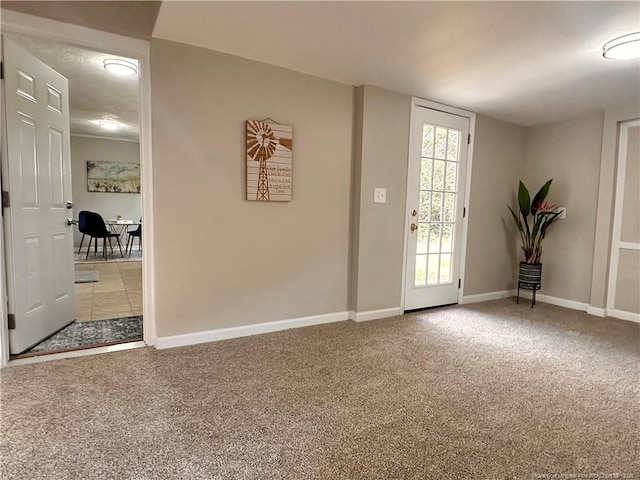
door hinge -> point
(1, 70)
(11, 321)
(468, 139)
(464, 212)
(5, 199)
(459, 282)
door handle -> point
(71, 221)
(414, 227)
(69, 205)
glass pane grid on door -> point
(437, 203)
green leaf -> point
(540, 196)
(518, 223)
(524, 200)
(549, 219)
(516, 219)
(536, 227)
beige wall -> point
(129, 18)
(570, 153)
(222, 261)
(498, 163)
(381, 161)
(109, 205)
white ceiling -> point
(94, 93)
(524, 62)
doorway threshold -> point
(422, 309)
(26, 359)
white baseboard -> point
(561, 302)
(526, 294)
(485, 297)
(597, 312)
(247, 330)
(622, 315)
(255, 329)
(375, 314)
(584, 307)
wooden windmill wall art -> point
(269, 161)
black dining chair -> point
(83, 223)
(132, 236)
(92, 224)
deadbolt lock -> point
(414, 213)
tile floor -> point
(117, 294)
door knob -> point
(71, 221)
(414, 227)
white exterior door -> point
(437, 166)
(36, 173)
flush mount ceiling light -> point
(110, 125)
(120, 67)
(625, 47)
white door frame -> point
(616, 243)
(422, 103)
(18, 23)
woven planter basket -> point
(529, 278)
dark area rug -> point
(94, 332)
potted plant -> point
(532, 221)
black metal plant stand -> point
(529, 278)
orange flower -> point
(546, 208)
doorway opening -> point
(622, 293)
(101, 189)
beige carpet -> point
(488, 391)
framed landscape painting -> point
(113, 177)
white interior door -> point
(437, 167)
(36, 173)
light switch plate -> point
(564, 212)
(379, 195)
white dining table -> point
(120, 225)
